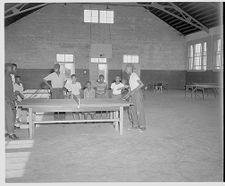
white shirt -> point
(18, 88)
(115, 88)
(133, 81)
(13, 81)
(73, 87)
(56, 81)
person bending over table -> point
(58, 81)
(117, 87)
(74, 89)
(137, 112)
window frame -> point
(194, 43)
(215, 39)
(132, 57)
(108, 19)
(66, 62)
(99, 60)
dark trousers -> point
(57, 93)
(137, 112)
(10, 116)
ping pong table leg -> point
(31, 124)
(115, 113)
(203, 93)
(121, 120)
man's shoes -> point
(13, 136)
(141, 129)
(133, 128)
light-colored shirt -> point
(13, 81)
(89, 93)
(133, 81)
(73, 87)
(57, 81)
(18, 88)
(101, 87)
(117, 88)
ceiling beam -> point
(182, 15)
(15, 10)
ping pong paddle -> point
(77, 100)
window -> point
(67, 65)
(103, 69)
(98, 60)
(197, 56)
(91, 16)
(98, 16)
(218, 53)
(106, 17)
(130, 59)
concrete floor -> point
(183, 142)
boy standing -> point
(89, 94)
(101, 87)
(58, 81)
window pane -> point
(68, 57)
(198, 48)
(129, 58)
(190, 51)
(219, 45)
(94, 13)
(102, 16)
(205, 47)
(110, 17)
(125, 60)
(69, 69)
(102, 69)
(190, 63)
(136, 59)
(94, 60)
(102, 60)
(218, 60)
(204, 60)
(94, 19)
(87, 15)
(60, 58)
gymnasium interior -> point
(173, 47)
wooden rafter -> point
(181, 14)
(17, 9)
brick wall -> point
(33, 41)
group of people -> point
(120, 90)
(60, 85)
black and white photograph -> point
(112, 92)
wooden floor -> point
(183, 142)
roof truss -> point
(175, 11)
(19, 9)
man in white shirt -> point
(136, 112)
(58, 81)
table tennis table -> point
(203, 87)
(114, 107)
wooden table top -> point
(40, 102)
